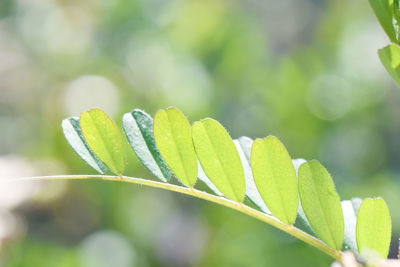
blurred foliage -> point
(304, 70)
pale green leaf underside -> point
(243, 146)
(173, 137)
(219, 158)
(350, 210)
(275, 178)
(104, 138)
(390, 58)
(73, 134)
(138, 128)
(384, 13)
(373, 227)
(321, 203)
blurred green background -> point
(306, 71)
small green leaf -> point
(104, 138)
(321, 203)
(219, 158)
(138, 127)
(73, 134)
(243, 145)
(383, 10)
(350, 210)
(173, 137)
(374, 227)
(390, 58)
(275, 178)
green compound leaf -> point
(219, 158)
(383, 10)
(73, 134)
(138, 127)
(350, 210)
(96, 139)
(390, 58)
(104, 138)
(173, 137)
(275, 178)
(243, 145)
(373, 227)
(321, 203)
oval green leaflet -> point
(138, 128)
(384, 11)
(374, 227)
(390, 58)
(275, 178)
(219, 158)
(104, 138)
(321, 203)
(173, 137)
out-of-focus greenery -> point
(304, 70)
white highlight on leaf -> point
(350, 210)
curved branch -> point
(309, 239)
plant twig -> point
(309, 239)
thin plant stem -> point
(290, 229)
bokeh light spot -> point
(90, 91)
